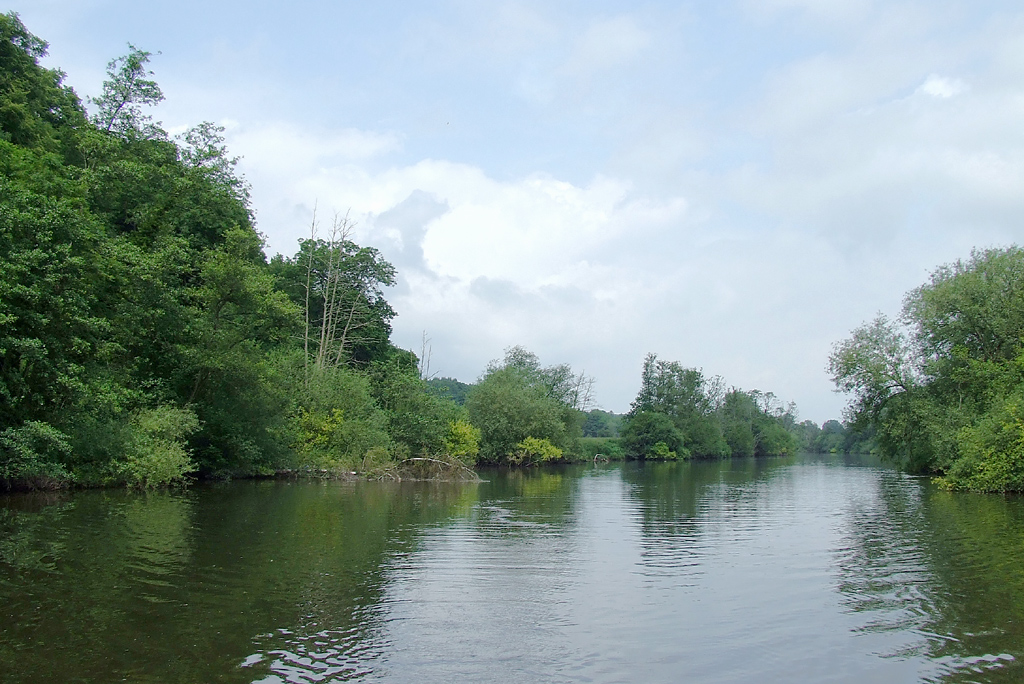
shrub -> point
(609, 448)
(531, 451)
(156, 453)
(991, 454)
(463, 441)
(32, 455)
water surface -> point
(825, 569)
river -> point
(802, 569)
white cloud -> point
(940, 87)
(534, 231)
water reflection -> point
(943, 571)
(172, 587)
(800, 569)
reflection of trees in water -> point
(23, 546)
(520, 499)
(172, 587)
(112, 557)
(678, 503)
(669, 494)
(324, 556)
(944, 567)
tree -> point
(602, 424)
(339, 286)
(125, 92)
(134, 293)
(517, 398)
(939, 389)
(646, 429)
(449, 388)
(36, 110)
(688, 398)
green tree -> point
(339, 286)
(125, 92)
(517, 398)
(132, 281)
(449, 388)
(646, 429)
(36, 110)
(601, 424)
(418, 420)
(937, 389)
(688, 398)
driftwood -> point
(438, 469)
(420, 468)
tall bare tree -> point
(344, 302)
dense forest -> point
(942, 387)
(145, 338)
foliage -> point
(832, 437)
(156, 453)
(645, 429)
(940, 387)
(688, 414)
(125, 92)
(32, 454)
(660, 451)
(558, 382)
(607, 448)
(37, 111)
(991, 452)
(600, 423)
(517, 398)
(462, 441)
(688, 399)
(449, 388)
(418, 420)
(533, 451)
(132, 277)
(339, 285)
(335, 421)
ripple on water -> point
(328, 655)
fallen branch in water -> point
(452, 467)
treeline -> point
(834, 438)
(146, 339)
(143, 335)
(942, 387)
(679, 413)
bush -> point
(32, 455)
(508, 409)
(531, 451)
(991, 454)
(602, 447)
(646, 429)
(334, 421)
(661, 452)
(416, 417)
(463, 441)
(156, 453)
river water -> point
(806, 569)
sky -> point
(731, 184)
